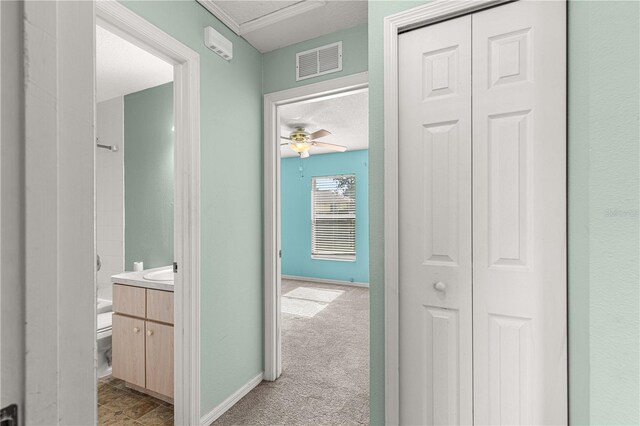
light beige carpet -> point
(325, 362)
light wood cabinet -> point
(159, 358)
(142, 339)
(160, 306)
(128, 349)
(129, 300)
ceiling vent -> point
(319, 61)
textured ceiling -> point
(328, 17)
(346, 117)
(244, 11)
(123, 68)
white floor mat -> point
(316, 294)
(304, 308)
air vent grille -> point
(319, 61)
(307, 65)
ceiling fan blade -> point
(284, 137)
(339, 148)
(319, 134)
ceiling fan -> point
(301, 141)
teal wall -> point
(604, 189)
(296, 216)
(148, 177)
(603, 153)
(603, 196)
(230, 200)
(280, 65)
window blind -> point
(333, 217)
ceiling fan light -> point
(300, 147)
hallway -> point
(325, 346)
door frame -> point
(58, 198)
(12, 263)
(122, 21)
(272, 218)
(394, 25)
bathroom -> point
(135, 232)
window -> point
(333, 217)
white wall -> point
(110, 193)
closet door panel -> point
(435, 224)
(519, 214)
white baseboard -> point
(211, 416)
(325, 281)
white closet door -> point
(519, 215)
(435, 224)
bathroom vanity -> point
(143, 333)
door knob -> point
(149, 332)
(440, 286)
(136, 329)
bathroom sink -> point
(161, 275)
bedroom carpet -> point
(325, 361)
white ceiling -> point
(123, 68)
(346, 117)
(244, 11)
(270, 25)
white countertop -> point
(136, 279)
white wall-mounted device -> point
(218, 43)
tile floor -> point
(119, 405)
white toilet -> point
(104, 338)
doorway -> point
(296, 293)
(134, 229)
(179, 376)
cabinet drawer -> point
(128, 349)
(160, 306)
(129, 300)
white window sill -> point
(334, 258)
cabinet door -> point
(160, 358)
(128, 349)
